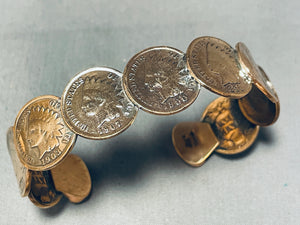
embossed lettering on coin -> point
(21, 172)
(94, 104)
(43, 193)
(213, 63)
(157, 80)
(42, 139)
(233, 130)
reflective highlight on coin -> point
(156, 79)
(258, 76)
(213, 64)
(194, 142)
(22, 174)
(234, 132)
(258, 108)
(72, 178)
(42, 139)
(94, 104)
(43, 193)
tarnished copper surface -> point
(194, 142)
(234, 132)
(72, 178)
(157, 80)
(43, 193)
(213, 63)
(41, 137)
(94, 105)
(258, 76)
(258, 108)
(22, 174)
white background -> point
(137, 176)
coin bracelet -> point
(101, 102)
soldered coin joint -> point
(101, 102)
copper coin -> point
(258, 108)
(22, 174)
(234, 132)
(94, 104)
(72, 178)
(156, 79)
(213, 64)
(41, 137)
(258, 76)
(194, 142)
(43, 193)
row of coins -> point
(45, 189)
(101, 102)
(228, 126)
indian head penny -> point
(156, 79)
(22, 173)
(41, 137)
(213, 64)
(94, 104)
(234, 132)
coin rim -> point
(255, 81)
(25, 191)
(50, 165)
(59, 195)
(46, 206)
(78, 75)
(212, 89)
(251, 119)
(232, 151)
(131, 96)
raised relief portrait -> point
(43, 131)
(215, 64)
(100, 101)
(165, 81)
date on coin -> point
(41, 137)
(94, 104)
